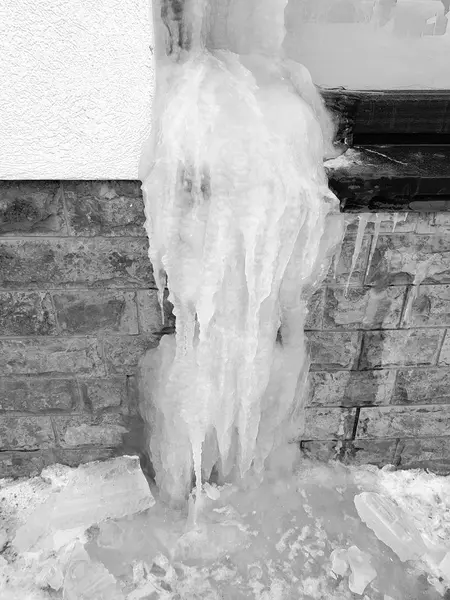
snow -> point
(296, 534)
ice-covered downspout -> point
(241, 222)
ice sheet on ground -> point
(293, 536)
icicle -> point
(420, 275)
(237, 217)
(376, 234)
(363, 219)
(395, 221)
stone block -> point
(363, 308)
(323, 423)
(25, 463)
(122, 354)
(314, 319)
(31, 208)
(25, 433)
(334, 350)
(351, 452)
(428, 306)
(38, 395)
(26, 313)
(104, 429)
(433, 222)
(99, 394)
(106, 208)
(401, 222)
(341, 272)
(150, 312)
(399, 348)
(425, 453)
(92, 311)
(399, 257)
(401, 421)
(51, 356)
(351, 388)
(422, 386)
(444, 356)
(62, 263)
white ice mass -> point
(240, 223)
(241, 228)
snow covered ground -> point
(324, 532)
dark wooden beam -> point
(392, 178)
(389, 113)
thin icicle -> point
(363, 219)
(376, 234)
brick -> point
(329, 423)
(434, 222)
(422, 386)
(107, 208)
(444, 356)
(401, 421)
(416, 347)
(26, 313)
(150, 312)
(99, 394)
(37, 395)
(351, 452)
(122, 354)
(397, 259)
(62, 263)
(314, 318)
(404, 222)
(351, 388)
(93, 311)
(344, 258)
(27, 433)
(31, 208)
(334, 350)
(31, 463)
(51, 356)
(428, 306)
(104, 429)
(426, 453)
(25, 463)
(363, 308)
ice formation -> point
(240, 224)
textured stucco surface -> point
(77, 86)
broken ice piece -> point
(391, 525)
(94, 493)
(51, 576)
(362, 572)
(444, 567)
(86, 580)
(211, 491)
(339, 564)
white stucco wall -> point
(371, 44)
(76, 88)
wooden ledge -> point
(399, 150)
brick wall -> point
(78, 308)
(380, 372)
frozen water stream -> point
(241, 228)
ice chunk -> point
(362, 572)
(391, 525)
(89, 494)
(444, 567)
(86, 580)
(339, 563)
